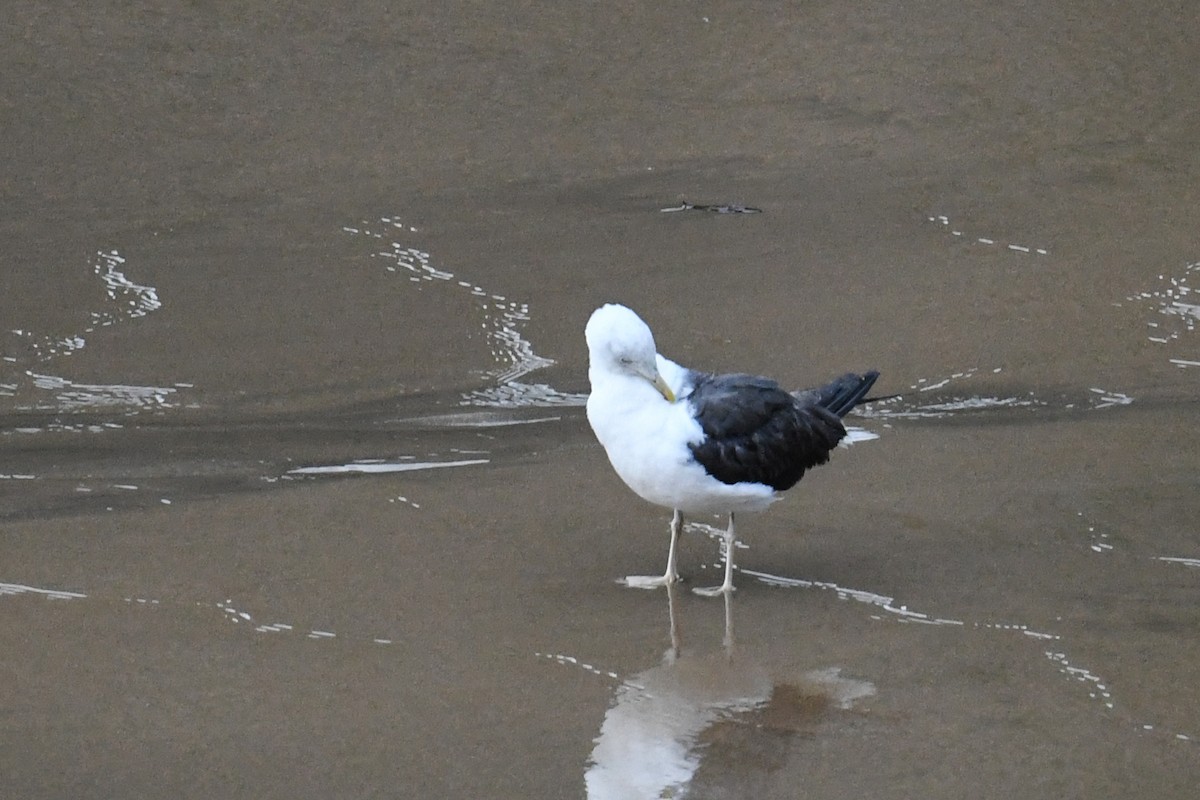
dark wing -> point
(842, 394)
(756, 431)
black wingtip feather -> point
(844, 393)
(756, 432)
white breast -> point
(647, 439)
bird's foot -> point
(650, 581)
(715, 591)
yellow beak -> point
(663, 389)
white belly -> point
(647, 439)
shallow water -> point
(298, 498)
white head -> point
(620, 343)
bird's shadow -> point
(699, 712)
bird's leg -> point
(671, 575)
(727, 585)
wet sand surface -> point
(297, 496)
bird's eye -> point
(626, 360)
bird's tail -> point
(844, 393)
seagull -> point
(702, 443)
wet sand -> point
(297, 497)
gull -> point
(701, 443)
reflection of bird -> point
(702, 443)
(652, 741)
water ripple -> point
(945, 401)
(1173, 299)
(501, 320)
(126, 300)
(944, 221)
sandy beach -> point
(298, 498)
